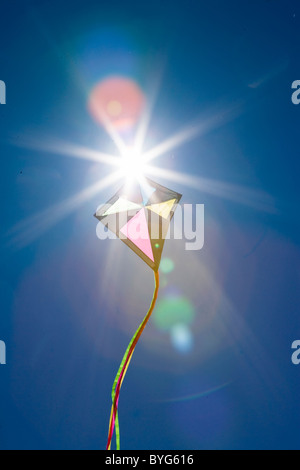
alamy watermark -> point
(296, 353)
(296, 93)
(2, 353)
(2, 92)
(187, 224)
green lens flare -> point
(166, 265)
(171, 311)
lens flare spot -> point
(181, 338)
(118, 101)
(166, 265)
(173, 310)
(114, 108)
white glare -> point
(132, 164)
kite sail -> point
(140, 215)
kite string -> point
(123, 368)
(114, 422)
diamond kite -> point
(140, 215)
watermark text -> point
(188, 225)
(296, 353)
(2, 353)
(296, 93)
(2, 92)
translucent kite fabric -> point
(140, 216)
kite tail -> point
(114, 421)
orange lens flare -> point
(117, 102)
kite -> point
(140, 215)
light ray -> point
(144, 123)
(256, 199)
(193, 131)
(67, 149)
(143, 128)
(113, 134)
(28, 230)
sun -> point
(132, 164)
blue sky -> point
(70, 303)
